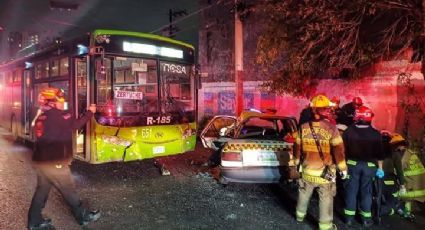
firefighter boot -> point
(90, 217)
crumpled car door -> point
(211, 132)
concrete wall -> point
(381, 91)
(216, 42)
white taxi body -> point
(253, 148)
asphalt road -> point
(136, 196)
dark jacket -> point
(55, 143)
(363, 143)
(346, 115)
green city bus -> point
(144, 86)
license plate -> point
(260, 158)
(266, 157)
(158, 149)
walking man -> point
(364, 151)
(52, 157)
(319, 150)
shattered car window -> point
(260, 128)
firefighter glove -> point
(380, 173)
(344, 175)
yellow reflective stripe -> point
(389, 182)
(365, 214)
(414, 172)
(413, 194)
(349, 212)
(336, 141)
(351, 162)
(395, 194)
(314, 179)
(408, 206)
(392, 212)
(370, 164)
(313, 172)
(300, 214)
(325, 226)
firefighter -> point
(394, 182)
(52, 156)
(348, 111)
(414, 176)
(364, 152)
(319, 151)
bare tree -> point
(312, 39)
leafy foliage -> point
(311, 39)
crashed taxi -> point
(253, 148)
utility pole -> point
(239, 61)
(172, 29)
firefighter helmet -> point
(321, 101)
(357, 101)
(51, 95)
(397, 138)
(363, 113)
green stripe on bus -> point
(141, 35)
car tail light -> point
(231, 159)
(231, 156)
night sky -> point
(134, 15)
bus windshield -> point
(130, 90)
(177, 88)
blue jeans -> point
(359, 185)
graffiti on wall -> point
(248, 100)
(226, 103)
(209, 103)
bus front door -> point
(81, 140)
(28, 101)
